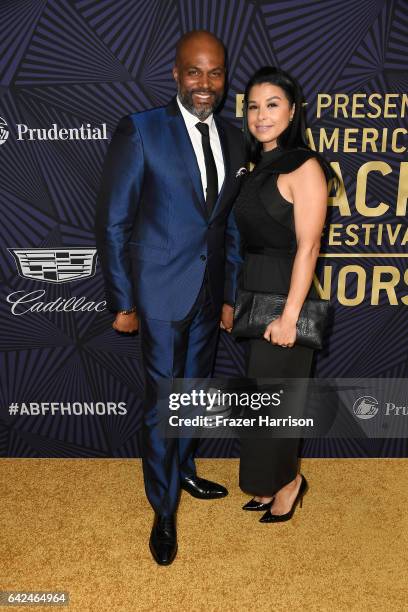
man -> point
(169, 251)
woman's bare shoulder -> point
(309, 171)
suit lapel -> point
(185, 151)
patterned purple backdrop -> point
(67, 64)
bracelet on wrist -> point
(128, 311)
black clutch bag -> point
(254, 311)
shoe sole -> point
(197, 496)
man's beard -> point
(186, 98)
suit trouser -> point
(173, 349)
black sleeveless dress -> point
(266, 224)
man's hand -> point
(127, 324)
(227, 318)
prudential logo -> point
(365, 407)
(85, 131)
(4, 133)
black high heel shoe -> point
(256, 506)
(281, 518)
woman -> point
(280, 213)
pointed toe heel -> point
(281, 518)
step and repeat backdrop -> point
(69, 385)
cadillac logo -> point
(55, 265)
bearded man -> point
(169, 251)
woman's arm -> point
(308, 187)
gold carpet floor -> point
(82, 526)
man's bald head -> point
(200, 72)
(197, 37)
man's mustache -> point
(202, 91)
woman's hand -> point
(281, 331)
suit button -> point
(203, 257)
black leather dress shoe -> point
(163, 539)
(203, 489)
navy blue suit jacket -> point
(154, 235)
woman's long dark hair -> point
(294, 135)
